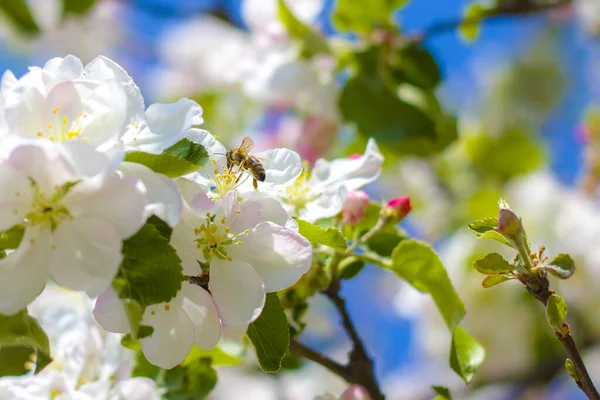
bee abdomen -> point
(258, 171)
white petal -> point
(86, 256)
(238, 216)
(282, 166)
(24, 272)
(67, 69)
(162, 194)
(110, 312)
(195, 196)
(279, 255)
(353, 173)
(206, 139)
(135, 389)
(166, 124)
(328, 204)
(24, 104)
(84, 159)
(271, 210)
(16, 196)
(238, 291)
(201, 309)
(173, 335)
(182, 240)
(119, 201)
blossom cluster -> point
(76, 186)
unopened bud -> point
(354, 207)
(355, 392)
(397, 208)
(355, 156)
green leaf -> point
(312, 42)
(556, 312)
(218, 355)
(373, 105)
(164, 228)
(128, 341)
(78, 7)
(486, 229)
(270, 335)
(443, 393)
(493, 280)
(363, 16)
(151, 271)
(22, 339)
(194, 381)
(182, 158)
(331, 236)
(492, 264)
(562, 266)
(18, 12)
(385, 241)
(10, 239)
(473, 14)
(570, 367)
(350, 267)
(417, 263)
(466, 354)
(415, 65)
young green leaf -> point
(443, 393)
(270, 335)
(218, 355)
(194, 381)
(492, 264)
(570, 367)
(151, 270)
(486, 229)
(417, 263)
(556, 312)
(10, 239)
(18, 13)
(22, 333)
(562, 266)
(331, 236)
(363, 16)
(385, 241)
(466, 354)
(493, 280)
(312, 42)
(182, 158)
(416, 66)
(78, 7)
(473, 14)
(350, 267)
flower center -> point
(61, 129)
(299, 194)
(225, 181)
(213, 238)
(49, 210)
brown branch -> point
(511, 9)
(303, 351)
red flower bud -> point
(397, 208)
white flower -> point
(75, 217)
(63, 101)
(321, 193)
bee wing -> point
(247, 145)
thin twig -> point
(303, 351)
(365, 238)
(517, 9)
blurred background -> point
(517, 116)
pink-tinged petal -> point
(86, 255)
(16, 196)
(163, 198)
(24, 272)
(135, 389)
(238, 216)
(328, 204)
(271, 210)
(282, 166)
(195, 196)
(237, 290)
(199, 306)
(119, 201)
(352, 173)
(173, 335)
(279, 255)
(183, 241)
(166, 124)
(67, 68)
(110, 312)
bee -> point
(243, 159)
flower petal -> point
(84, 159)
(353, 173)
(119, 201)
(238, 291)
(279, 255)
(162, 194)
(282, 166)
(110, 312)
(271, 210)
(166, 124)
(86, 255)
(328, 204)
(135, 389)
(183, 241)
(199, 306)
(24, 272)
(173, 335)
(65, 69)
(16, 196)
(239, 216)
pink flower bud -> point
(355, 392)
(355, 156)
(354, 207)
(397, 208)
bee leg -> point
(255, 184)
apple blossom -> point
(74, 214)
(354, 207)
